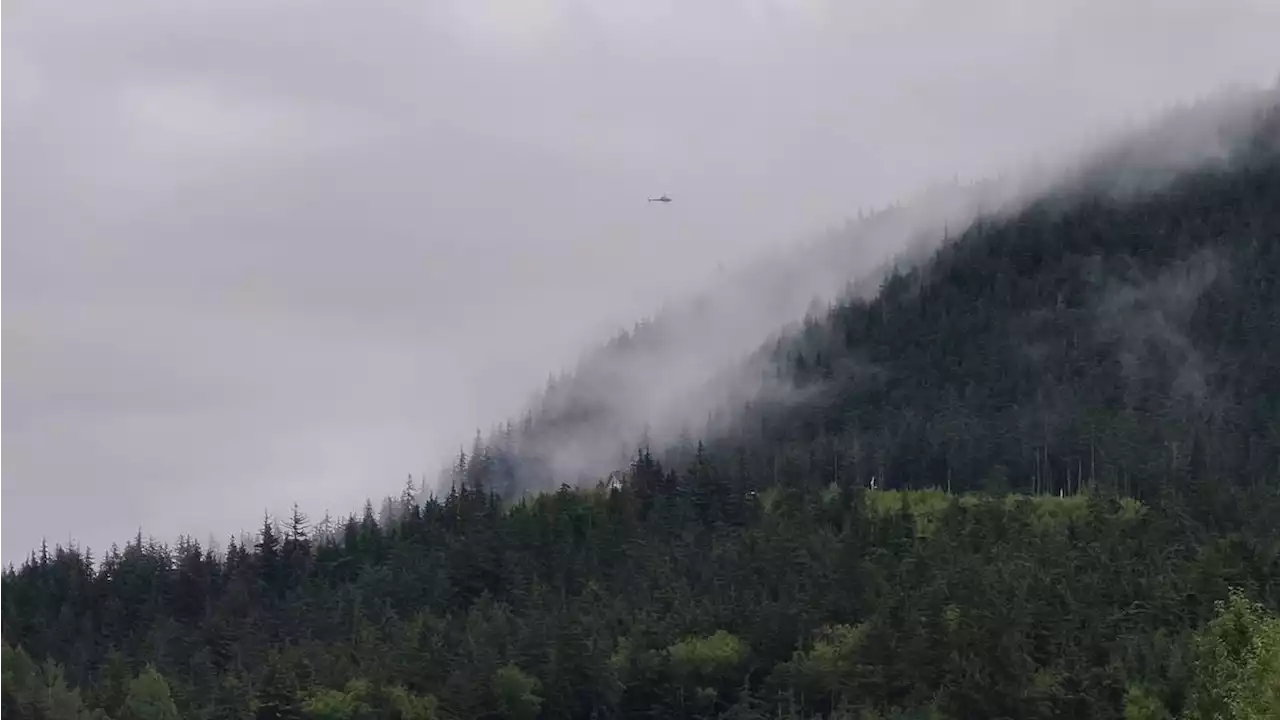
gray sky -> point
(259, 252)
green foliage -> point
(36, 691)
(1140, 703)
(830, 667)
(838, 605)
(405, 705)
(149, 698)
(707, 657)
(1236, 661)
(346, 704)
(358, 699)
(516, 693)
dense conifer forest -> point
(1036, 476)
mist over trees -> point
(1029, 262)
(1036, 475)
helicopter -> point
(663, 199)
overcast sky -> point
(259, 252)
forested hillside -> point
(662, 379)
(1123, 344)
(1037, 476)
(637, 603)
(1101, 256)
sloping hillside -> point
(1097, 342)
(1112, 348)
(1072, 307)
(663, 379)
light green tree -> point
(516, 693)
(707, 658)
(705, 663)
(1236, 664)
(408, 706)
(39, 691)
(345, 704)
(149, 698)
(1140, 703)
(830, 667)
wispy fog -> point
(261, 252)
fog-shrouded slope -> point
(683, 374)
(1095, 336)
(664, 378)
(1111, 342)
